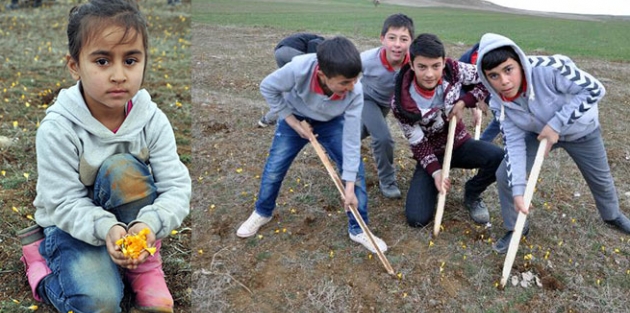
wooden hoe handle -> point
(333, 174)
(520, 221)
(446, 168)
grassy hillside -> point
(606, 39)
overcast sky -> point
(599, 7)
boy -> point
(323, 90)
(545, 97)
(427, 89)
(287, 49)
(492, 130)
(380, 66)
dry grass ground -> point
(32, 71)
(303, 260)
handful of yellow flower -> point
(132, 245)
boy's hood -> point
(492, 41)
(71, 105)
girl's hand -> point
(115, 233)
(135, 229)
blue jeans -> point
(422, 194)
(589, 155)
(285, 147)
(84, 278)
(492, 130)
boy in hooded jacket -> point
(545, 97)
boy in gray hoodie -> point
(542, 97)
(322, 89)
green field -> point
(606, 38)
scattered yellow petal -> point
(200, 251)
(431, 243)
(26, 175)
(284, 230)
(15, 301)
(239, 170)
(3, 172)
(15, 210)
(29, 216)
(174, 232)
(399, 275)
(15, 124)
(404, 295)
(260, 236)
(33, 307)
(369, 256)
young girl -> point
(108, 166)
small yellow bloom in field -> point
(15, 210)
(200, 251)
(277, 231)
(133, 245)
(26, 104)
(528, 256)
(26, 175)
(284, 230)
(239, 170)
(174, 232)
(628, 272)
(404, 295)
(15, 124)
(260, 236)
(599, 281)
(603, 248)
(431, 243)
(212, 206)
(369, 256)
(3, 172)
(169, 86)
(399, 275)
(30, 217)
(617, 250)
(332, 254)
(33, 307)
(15, 301)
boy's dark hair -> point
(398, 20)
(497, 56)
(339, 56)
(428, 46)
(86, 20)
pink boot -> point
(147, 282)
(36, 268)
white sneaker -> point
(363, 239)
(252, 224)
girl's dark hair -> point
(339, 56)
(428, 46)
(398, 20)
(497, 56)
(86, 20)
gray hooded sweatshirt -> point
(71, 146)
(558, 94)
